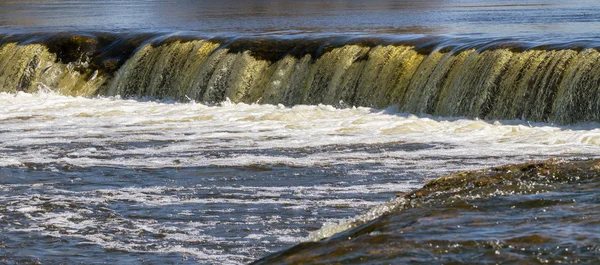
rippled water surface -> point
(107, 179)
(579, 19)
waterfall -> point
(551, 85)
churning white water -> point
(231, 182)
(186, 131)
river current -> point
(162, 162)
(108, 179)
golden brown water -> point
(550, 85)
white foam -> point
(187, 131)
(75, 222)
(336, 226)
(47, 128)
(28, 209)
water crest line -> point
(492, 81)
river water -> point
(107, 179)
(155, 181)
(559, 19)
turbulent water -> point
(195, 132)
(116, 180)
(473, 78)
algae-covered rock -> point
(532, 213)
(72, 48)
(506, 177)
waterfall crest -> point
(552, 85)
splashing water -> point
(227, 183)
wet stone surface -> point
(534, 213)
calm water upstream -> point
(579, 18)
(122, 149)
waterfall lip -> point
(424, 42)
(319, 69)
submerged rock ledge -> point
(531, 213)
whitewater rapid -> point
(88, 132)
(231, 182)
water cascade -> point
(32, 67)
(492, 82)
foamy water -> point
(87, 132)
(193, 183)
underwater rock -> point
(531, 213)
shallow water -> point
(107, 179)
